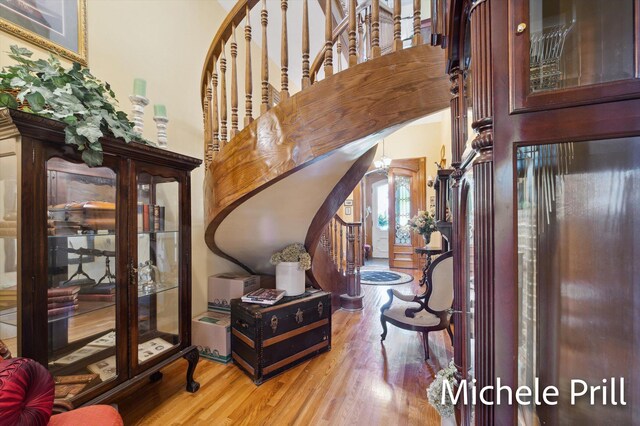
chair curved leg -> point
(425, 343)
(384, 328)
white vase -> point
(290, 278)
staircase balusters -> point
(328, 231)
(351, 285)
(360, 39)
(214, 108)
(248, 82)
(353, 58)
(264, 19)
(223, 97)
(339, 54)
(335, 241)
(340, 265)
(375, 28)
(234, 84)
(417, 35)
(328, 36)
(305, 45)
(284, 54)
(367, 29)
(206, 118)
(397, 25)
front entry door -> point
(407, 195)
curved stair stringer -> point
(323, 272)
(350, 111)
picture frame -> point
(348, 202)
(59, 26)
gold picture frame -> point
(62, 31)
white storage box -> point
(211, 333)
(224, 287)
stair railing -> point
(371, 30)
(343, 242)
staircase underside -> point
(264, 189)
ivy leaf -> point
(92, 158)
(89, 130)
(20, 51)
(17, 82)
(36, 101)
(71, 120)
(72, 138)
(6, 100)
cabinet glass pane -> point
(9, 253)
(158, 265)
(580, 42)
(81, 293)
(403, 210)
(470, 296)
(579, 291)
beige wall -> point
(164, 42)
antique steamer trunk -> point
(267, 340)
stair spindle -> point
(206, 118)
(223, 97)
(417, 35)
(367, 27)
(375, 28)
(284, 54)
(397, 25)
(248, 81)
(360, 39)
(234, 84)
(214, 108)
(335, 241)
(264, 19)
(328, 36)
(340, 267)
(339, 54)
(328, 233)
(305, 45)
(353, 55)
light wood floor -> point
(359, 382)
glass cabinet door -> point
(158, 265)
(469, 289)
(573, 44)
(9, 225)
(82, 233)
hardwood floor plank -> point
(359, 382)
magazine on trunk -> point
(264, 296)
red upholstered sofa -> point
(26, 398)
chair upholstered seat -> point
(421, 319)
(427, 312)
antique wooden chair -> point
(426, 312)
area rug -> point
(384, 277)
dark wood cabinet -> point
(95, 262)
(267, 340)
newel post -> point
(352, 300)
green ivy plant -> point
(72, 95)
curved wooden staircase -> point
(282, 178)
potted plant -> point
(291, 262)
(439, 398)
(424, 224)
(46, 88)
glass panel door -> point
(158, 256)
(9, 225)
(580, 42)
(82, 291)
(470, 294)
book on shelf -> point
(106, 368)
(106, 341)
(79, 354)
(62, 291)
(86, 379)
(61, 299)
(58, 311)
(152, 348)
(104, 288)
(264, 296)
(151, 216)
(55, 305)
(97, 297)
(69, 391)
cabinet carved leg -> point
(192, 357)
(155, 377)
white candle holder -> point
(161, 124)
(139, 102)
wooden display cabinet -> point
(95, 263)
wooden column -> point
(264, 19)
(353, 55)
(248, 81)
(214, 108)
(234, 84)
(417, 35)
(483, 199)
(328, 37)
(284, 54)
(305, 45)
(223, 97)
(375, 28)
(397, 25)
